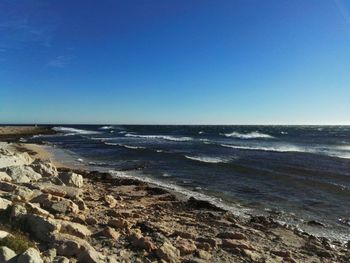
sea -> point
(299, 175)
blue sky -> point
(175, 62)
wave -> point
(106, 128)
(163, 137)
(73, 131)
(251, 135)
(206, 159)
(282, 148)
(126, 146)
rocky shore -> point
(50, 214)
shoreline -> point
(144, 221)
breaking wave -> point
(205, 159)
(251, 135)
(125, 146)
(284, 148)
(73, 131)
(163, 137)
(106, 128)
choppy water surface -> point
(296, 173)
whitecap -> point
(163, 137)
(73, 131)
(206, 159)
(251, 135)
(282, 148)
(106, 128)
(125, 146)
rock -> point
(6, 254)
(49, 255)
(139, 241)
(69, 246)
(185, 246)
(65, 206)
(18, 211)
(90, 256)
(35, 209)
(182, 234)
(7, 187)
(232, 235)
(231, 244)
(46, 169)
(108, 232)
(4, 234)
(119, 223)
(24, 193)
(54, 191)
(91, 221)
(31, 255)
(56, 204)
(4, 203)
(4, 177)
(168, 253)
(211, 241)
(202, 204)
(81, 204)
(41, 228)
(8, 158)
(110, 201)
(74, 229)
(60, 259)
(22, 174)
(71, 179)
(203, 254)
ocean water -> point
(293, 173)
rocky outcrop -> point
(46, 169)
(71, 179)
(22, 174)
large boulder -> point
(31, 255)
(46, 169)
(8, 158)
(6, 254)
(22, 174)
(69, 246)
(41, 228)
(71, 179)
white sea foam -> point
(282, 148)
(73, 131)
(235, 209)
(106, 128)
(206, 159)
(125, 146)
(251, 135)
(163, 137)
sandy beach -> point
(74, 215)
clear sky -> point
(175, 62)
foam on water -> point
(233, 208)
(163, 137)
(106, 128)
(125, 146)
(251, 135)
(206, 159)
(73, 131)
(283, 148)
